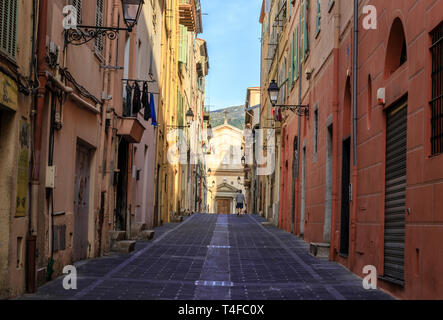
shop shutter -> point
(395, 194)
(8, 28)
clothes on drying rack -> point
(136, 103)
(137, 99)
(127, 111)
(145, 102)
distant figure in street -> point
(241, 202)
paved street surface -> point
(214, 257)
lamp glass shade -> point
(274, 91)
(243, 160)
(189, 116)
(209, 132)
(131, 11)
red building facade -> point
(384, 209)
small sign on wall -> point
(23, 170)
(8, 92)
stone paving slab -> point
(214, 257)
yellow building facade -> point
(179, 94)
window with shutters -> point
(183, 45)
(437, 91)
(318, 19)
(304, 41)
(316, 131)
(78, 6)
(291, 66)
(282, 80)
(99, 12)
(8, 28)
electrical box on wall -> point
(381, 96)
(50, 177)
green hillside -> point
(236, 117)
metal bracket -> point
(84, 34)
(301, 110)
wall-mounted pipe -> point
(355, 76)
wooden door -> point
(81, 203)
(224, 206)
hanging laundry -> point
(145, 102)
(136, 103)
(128, 101)
(154, 117)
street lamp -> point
(189, 117)
(243, 160)
(274, 90)
(131, 11)
(209, 132)
(82, 34)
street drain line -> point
(216, 259)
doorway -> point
(328, 195)
(294, 181)
(395, 192)
(224, 206)
(345, 189)
(122, 186)
(303, 193)
(81, 203)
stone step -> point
(136, 228)
(176, 219)
(117, 235)
(319, 250)
(267, 224)
(126, 246)
(146, 235)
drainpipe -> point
(104, 157)
(299, 126)
(335, 130)
(38, 122)
(354, 138)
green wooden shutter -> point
(291, 65)
(180, 50)
(8, 28)
(99, 13)
(185, 46)
(305, 29)
(297, 50)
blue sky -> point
(232, 32)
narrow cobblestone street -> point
(213, 257)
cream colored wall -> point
(224, 136)
(12, 275)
